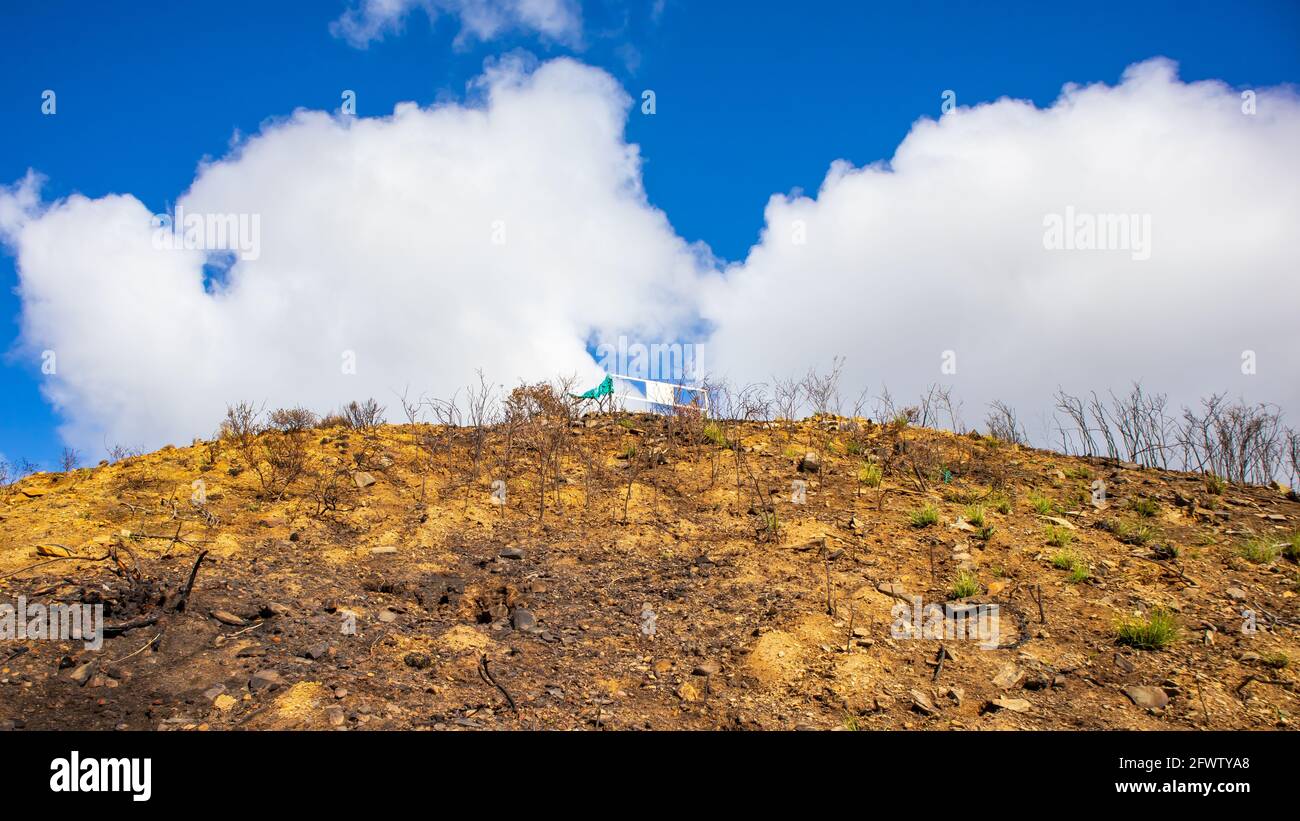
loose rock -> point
(265, 680)
(1149, 698)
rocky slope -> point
(385, 586)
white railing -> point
(665, 393)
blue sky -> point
(752, 99)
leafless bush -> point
(823, 390)
(412, 409)
(1292, 457)
(686, 421)
(937, 402)
(242, 423)
(1101, 424)
(364, 416)
(291, 420)
(886, 411)
(5, 472)
(924, 463)
(1239, 442)
(481, 415)
(1003, 424)
(1143, 426)
(543, 412)
(332, 489)
(752, 403)
(787, 401)
(276, 456)
(448, 418)
(1079, 437)
(69, 460)
(118, 452)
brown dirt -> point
(428, 614)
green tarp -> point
(603, 389)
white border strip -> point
(703, 392)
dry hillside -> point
(767, 614)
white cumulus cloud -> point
(942, 249)
(555, 20)
(512, 232)
(420, 245)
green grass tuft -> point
(1146, 508)
(1059, 536)
(1042, 505)
(1291, 549)
(1259, 551)
(1133, 533)
(1278, 661)
(1065, 559)
(870, 475)
(924, 517)
(1154, 632)
(967, 584)
(713, 433)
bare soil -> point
(417, 602)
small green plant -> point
(1000, 503)
(984, 533)
(1072, 562)
(1042, 505)
(975, 515)
(1065, 559)
(1215, 485)
(1155, 631)
(1291, 549)
(628, 452)
(1133, 533)
(925, 516)
(1168, 550)
(1278, 661)
(713, 433)
(870, 475)
(1145, 508)
(854, 448)
(1059, 536)
(1080, 472)
(1259, 551)
(793, 452)
(967, 584)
